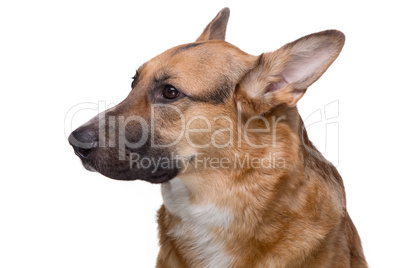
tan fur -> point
(251, 190)
(293, 216)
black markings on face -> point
(186, 47)
(216, 96)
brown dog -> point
(242, 184)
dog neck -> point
(218, 214)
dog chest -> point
(197, 230)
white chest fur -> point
(198, 220)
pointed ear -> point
(216, 29)
(283, 76)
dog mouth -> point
(118, 172)
(165, 177)
(154, 166)
(129, 175)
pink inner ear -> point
(301, 68)
(276, 86)
(305, 65)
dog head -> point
(197, 99)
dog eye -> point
(170, 92)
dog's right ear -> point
(216, 29)
(283, 76)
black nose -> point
(83, 141)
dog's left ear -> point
(283, 76)
(216, 29)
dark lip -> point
(126, 175)
(164, 177)
(160, 178)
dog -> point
(242, 184)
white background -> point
(56, 54)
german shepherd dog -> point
(219, 130)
